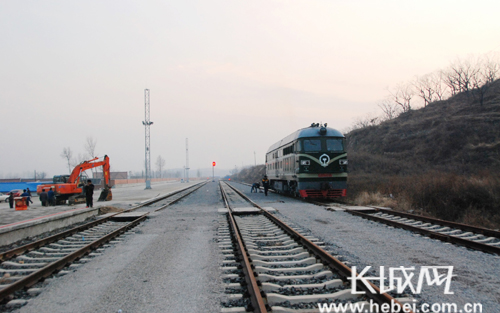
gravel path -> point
(365, 243)
(171, 265)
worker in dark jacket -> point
(89, 193)
(43, 197)
(27, 197)
(51, 197)
(255, 187)
(11, 200)
(265, 184)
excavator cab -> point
(60, 179)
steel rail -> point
(252, 285)
(446, 238)
(182, 197)
(47, 240)
(327, 259)
(156, 199)
(55, 266)
(464, 227)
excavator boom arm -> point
(86, 165)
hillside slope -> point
(455, 135)
(442, 160)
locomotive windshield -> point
(334, 145)
(312, 145)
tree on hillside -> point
(160, 163)
(390, 109)
(490, 69)
(68, 155)
(439, 86)
(366, 121)
(459, 76)
(402, 95)
(430, 87)
(486, 74)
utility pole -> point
(147, 123)
(187, 162)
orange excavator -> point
(70, 187)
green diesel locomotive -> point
(310, 163)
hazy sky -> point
(232, 76)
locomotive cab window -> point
(312, 145)
(334, 145)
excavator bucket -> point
(106, 195)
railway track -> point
(472, 237)
(23, 267)
(283, 270)
(477, 238)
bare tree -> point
(68, 155)
(41, 175)
(198, 173)
(390, 109)
(366, 121)
(458, 77)
(482, 78)
(402, 95)
(425, 87)
(160, 163)
(490, 68)
(439, 85)
(90, 144)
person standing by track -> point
(51, 197)
(89, 193)
(43, 197)
(265, 184)
(27, 197)
(11, 200)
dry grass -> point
(250, 175)
(375, 198)
(458, 198)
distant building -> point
(113, 175)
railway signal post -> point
(213, 168)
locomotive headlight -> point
(305, 162)
(343, 162)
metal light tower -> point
(187, 162)
(147, 123)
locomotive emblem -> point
(324, 159)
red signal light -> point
(213, 163)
